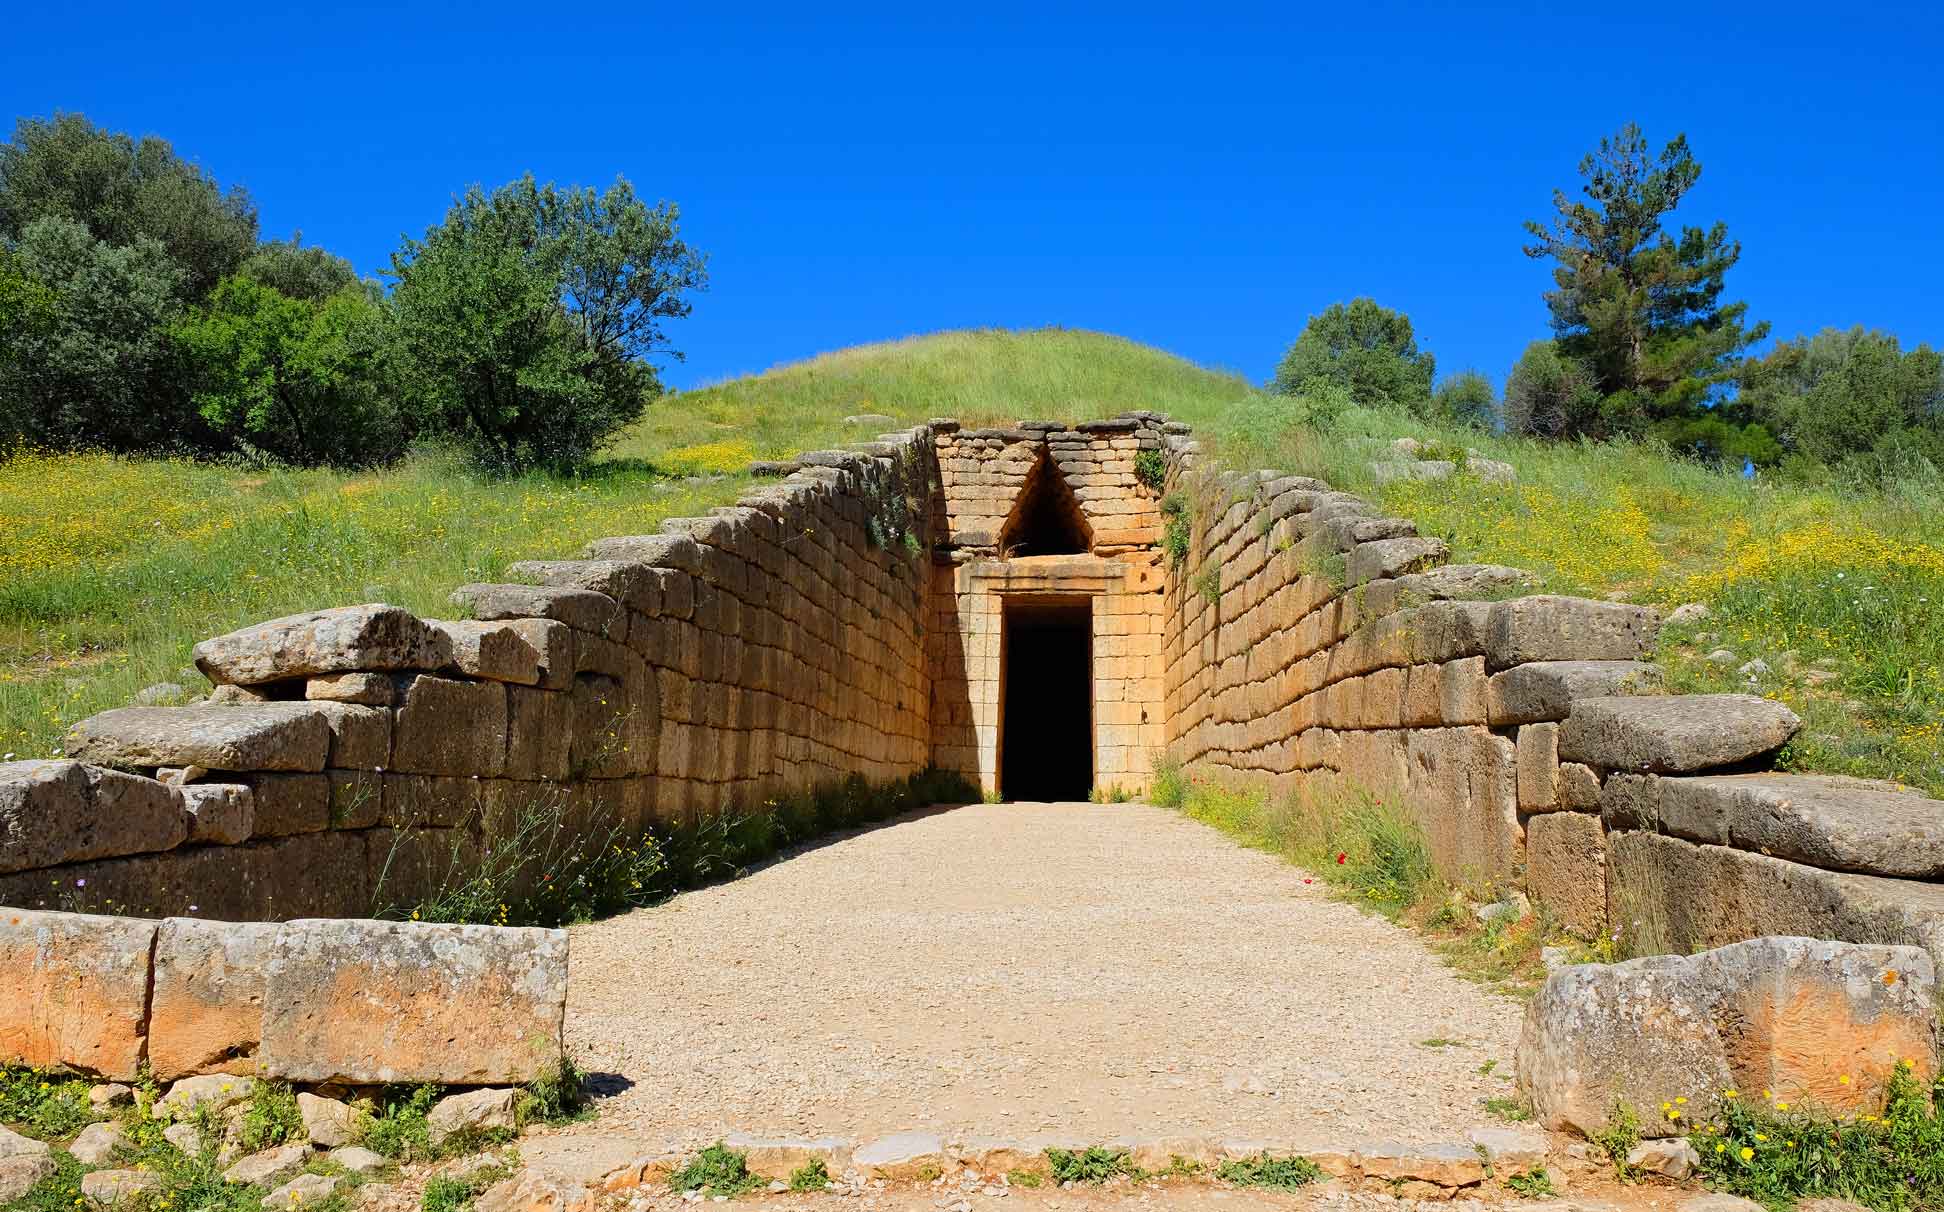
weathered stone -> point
(369, 1001)
(1717, 1201)
(1547, 627)
(535, 1191)
(1638, 1034)
(1394, 557)
(269, 1166)
(219, 813)
(361, 737)
(900, 1155)
(216, 1091)
(1439, 1165)
(1579, 787)
(109, 1095)
(780, 1157)
(304, 1190)
(328, 1122)
(96, 1144)
(447, 726)
(187, 1138)
(1464, 790)
(258, 736)
(230, 695)
(287, 804)
(1510, 1149)
(358, 1160)
(1827, 821)
(341, 640)
(1675, 1159)
(1820, 1022)
(1001, 1155)
(1674, 734)
(1545, 690)
(1538, 758)
(111, 1187)
(581, 609)
(206, 1012)
(525, 652)
(23, 1162)
(56, 812)
(367, 689)
(77, 991)
(472, 1112)
(1566, 870)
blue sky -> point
(1199, 177)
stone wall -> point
(1316, 648)
(350, 758)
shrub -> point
(271, 1117)
(1619, 1137)
(1367, 351)
(1151, 469)
(1548, 395)
(1094, 1164)
(557, 1096)
(1531, 1184)
(1178, 529)
(717, 1171)
(812, 1175)
(445, 1193)
(1264, 1170)
(527, 317)
(46, 1106)
(399, 1129)
(1466, 398)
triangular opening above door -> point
(1046, 519)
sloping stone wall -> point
(350, 758)
(1317, 648)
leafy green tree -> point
(1366, 349)
(1849, 399)
(1639, 308)
(527, 318)
(122, 191)
(27, 316)
(1549, 394)
(98, 369)
(297, 379)
(1466, 398)
(297, 270)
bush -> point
(399, 1129)
(1548, 395)
(1466, 398)
(271, 1117)
(718, 1172)
(1095, 1164)
(1263, 1170)
(812, 1175)
(526, 318)
(1367, 351)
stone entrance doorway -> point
(1046, 735)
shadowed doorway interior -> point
(1046, 719)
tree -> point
(122, 191)
(1850, 399)
(300, 272)
(1640, 309)
(27, 316)
(1364, 348)
(1466, 398)
(297, 379)
(98, 370)
(527, 318)
(1549, 394)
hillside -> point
(110, 568)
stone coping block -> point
(1809, 1020)
(241, 736)
(206, 1012)
(1546, 690)
(362, 1001)
(54, 812)
(76, 991)
(1674, 734)
(1548, 627)
(581, 609)
(340, 640)
(1827, 821)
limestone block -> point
(540, 730)
(252, 736)
(902, 1155)
(1566, 870)
(285, 804)
(219, 813)
(1391, 557)
(1821, 1022)
(1464, 788)
(1674, 734)
(206, 1013)
(110, 1188)
(1548, 627)
(581, 609)
(1452, 1165)
(663, 550)
(447, 726)
(628, 582)
(526, 652)
(271, 1166)
(1538, 758)
(339, 640)
(1545, 690)
(305, 1190)
(369, 689)
(77, 991)
(1827, 821)
(1636, 1034)
(1579, 787)
(23, 1163)
(365, 1001)
(1461, 691)
(54, 812)
(361, 737)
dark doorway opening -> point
(1046, 718)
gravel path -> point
(1092, 971)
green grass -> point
(45, 1106)
(447, 1194)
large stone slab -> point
(581, 609)
(56, 812)
(1566, 870)
(368, 1001)
(525, 652)
(1546, 690)
(449, 726)
(1547, 627)
(340, 640)
(1670, 895)
(206, 1014)
(76, 991)
(241, 736)
(1674, 734)
(1828, 821)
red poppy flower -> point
(1342, 858)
